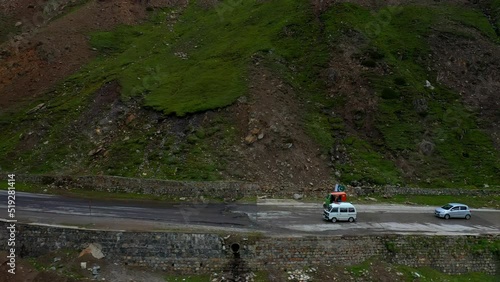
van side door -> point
(343, 214)
(334, 212)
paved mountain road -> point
(269, 216)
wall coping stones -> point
(223, 189)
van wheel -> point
(334, 219)
(447, 216)
(351, 219)
(467, 216)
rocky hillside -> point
(286, 93)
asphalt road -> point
(268, 216)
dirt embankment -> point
(49, 48)
(275, 150)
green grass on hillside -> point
(368, 164)
(200, 63)
(495, 13)
(398, 36)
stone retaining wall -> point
(390, 190)
(191, 253)
(223, 189)
(216, 189)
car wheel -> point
(467, 216)
(447, 216)
(351, 219)
(334, 219)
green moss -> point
(485, 245)
(115, 42)
(391, 247)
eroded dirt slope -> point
(275, 148)
(47, 52)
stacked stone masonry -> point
(211, 252)
(222, 189)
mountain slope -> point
(285, 93)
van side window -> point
(335, 210)
(351, 209)
(343, 209)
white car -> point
(453, 210)
(340, 212)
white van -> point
(340, 212)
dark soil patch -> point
(36, 60)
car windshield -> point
(447, 206)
